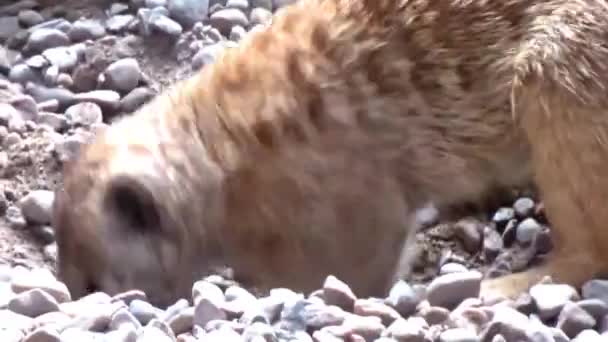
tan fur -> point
(304, 151)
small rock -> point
(55, 121)
(588, 336)
(41, 279)
(336, 292)
(188, 12)
(524, 207)
(469, 232)
(404, 298)
(65, 58)
(573, 319)
(85, 29)
(182, 321)
(119, 23)
(29, 18)
(37, 206)
(452, 267)
(143, 311)
(527, 230)
(46, 38)
(372, 307)
(551, 298)
(108, 100)
(450, 289)
(84, 114)
(225, 19)
(237, 33)
(260, 16)
(165, 25)
(43, 334)
(21, 73)
(596, 288)
(33, 303)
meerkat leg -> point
(559, 100)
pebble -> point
(573, 319)
(165, 25)
(84, 114)
(37, 205)
(46, 38)
(449, 290)
(596, 288)
(527, 230)
(135, 99)
(225, 19)
(188, 12)
(65, 58)
(404, 298)
(9, 27)
(524, 207)
(107, 100)
(22, 73)
(551, 298)
(33, 303)
(469, 232)
(336, 292)
(41, 279)
(119, 23)
(123, 75)
(85, 29)
(29, 18)
(260, 16)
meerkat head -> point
(133, 212)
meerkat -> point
(305, 150)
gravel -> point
(70, 74)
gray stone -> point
(55, 121)
(22, 73)
(143, 311)
(33, 303)
(165, 25)
(337, 292)
(527, 230)
(43, 334)
(30, 18)
(573, 319)
(84, 114)
(85, 29)
(9, 27)
(119, 23)
(37, 206)
(188, 12)
(260, 16)
(123, 75)
(469, 232)
(524, 206)
(551, 298)
(46, 38)
(596, 288)
(225, 19)
(65, 58)
(450, 289)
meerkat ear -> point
(131, 202)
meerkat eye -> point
(132, 203)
